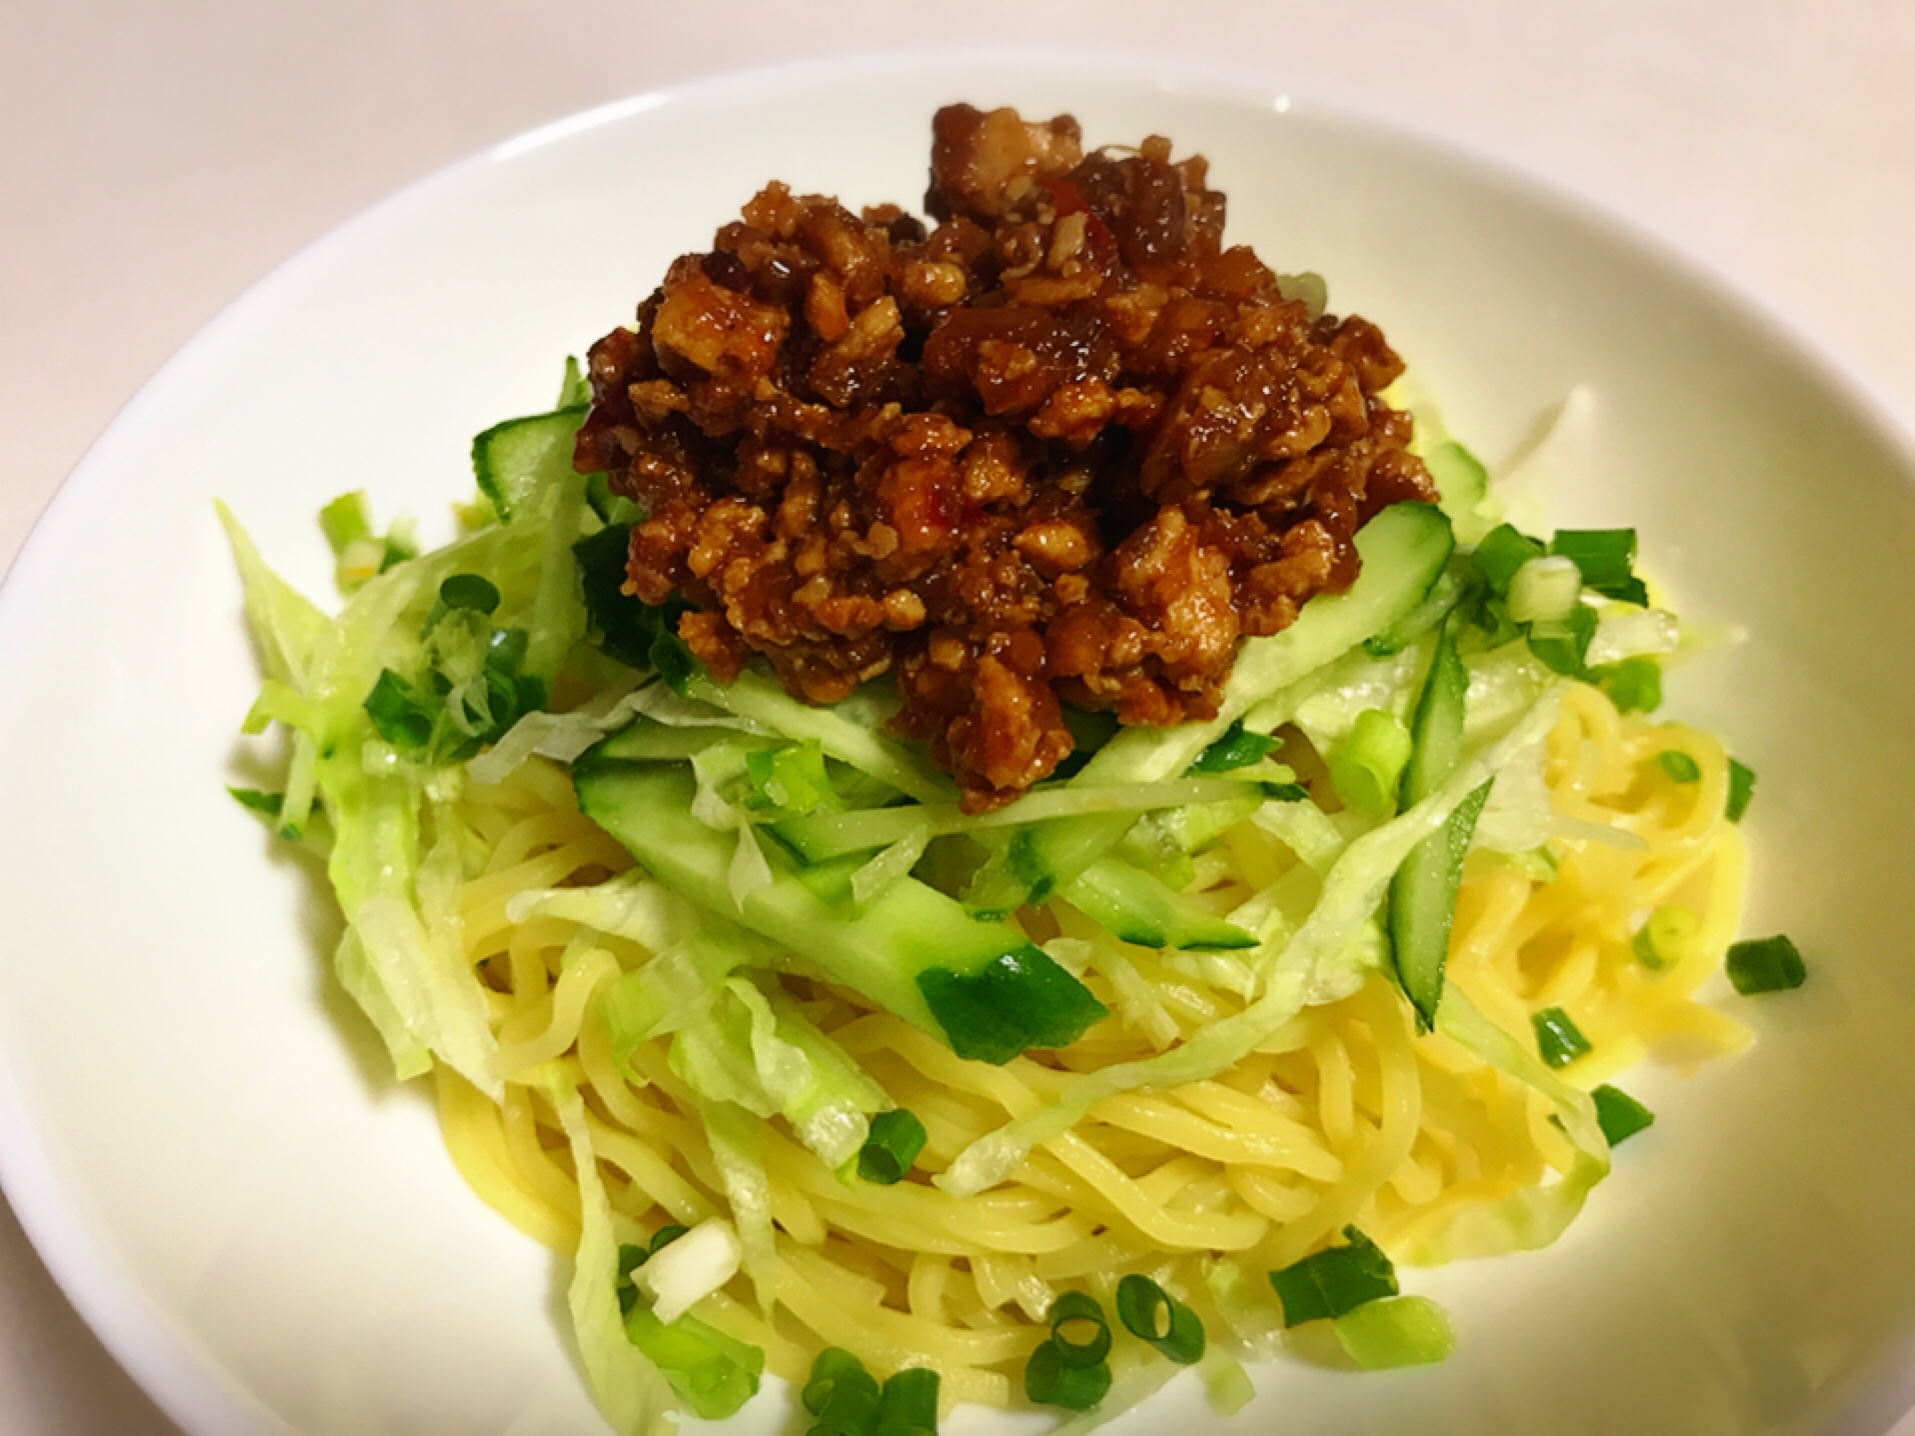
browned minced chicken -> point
(1063, 449)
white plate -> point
(195, 1130)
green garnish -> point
(470, 591)
(1503, 551)
(1395, 1332)
(1558, 1039)
(1563, 643)
(1607, 559)
(259, 801)
(1765, 964)
(1633, 685)
(1368, 769)
(1679, 765)
(346, 520)
(631, 1257)
(894, 1142)
(1050, 1381)
(1619, 1115)
(1741, 789)
(1150, 1312)
(841, 1389)
(1666, 938)
(713, 1373)
(1078, 1329)
(789, 781)
(401, 716)
(1237, 748)
(1334, 1280)
(908, 1405)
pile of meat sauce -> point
(1062, 450)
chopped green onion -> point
(1490, 616)
(1563, 643)
(1285, 792)
(1619, 1115)
(1765, 964)
(631, 1258)
(1741, 789)
(1307, 288)
(836, 1374)
(713, 1373)
(1368, 768)
(1666, 938)
(470, 591)
(625, 625)
(1633, 685)
(791, 781)
(893, 1145)
(1226, 1383)
(1503, 551)
(396, 712)
(1334, 1280)
(1051, 1381)
(673, 661)
(1396, 1331)
(908, 1405)
(345, 521)
(258, 801)
(399, 544)
(1630, 590)
(1236, 749)
(1150, 1312)
(1543, 588)
(1679, 765)
(842, 1395)
(1558, 1039)
(1078, 1329)
(1607, 558)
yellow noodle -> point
(1346, 1114)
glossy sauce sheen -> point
(1061, 451)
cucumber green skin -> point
(1422, 902)
(1422, 907)
(1436, 728)
(1403, 551)
(647, 741)
(981, 987)
(1443, 596)
(511, 460)
(1137, 908)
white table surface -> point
(158, 158)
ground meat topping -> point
(1062, 449)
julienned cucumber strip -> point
(763, 700)
(514, 459)
(1403, 550)
(833, 835)
(1137, 908)
(1423, 904)
(980, 986)
(1422, 900)
(1443, 596)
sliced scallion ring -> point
(1150, 1312)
